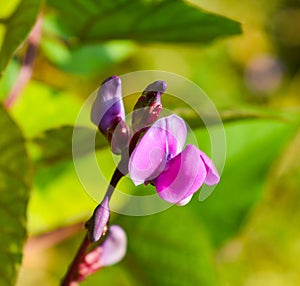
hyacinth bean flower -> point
(109, 115)
(148, 107)
(110, 252)
(161, 159)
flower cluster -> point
(152, 152)
(157, 148)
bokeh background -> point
(247, 231)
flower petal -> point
(212, 176)
(185, 201)
(159, 86)
(163, 140)
(114, 246)
(183, 176)
(176, 133)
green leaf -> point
(252, 146)
(96, 57)
(15, 180)
(169, 248)
(55, 145)
(48, 107)
(229, 115)
(8, 79)
(17, 27)
(159, 21)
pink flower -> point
(161, 159)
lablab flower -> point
(159, 159)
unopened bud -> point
(120, 137)
(148, 107)
(114, 246)
(109, 115)
(97, 225)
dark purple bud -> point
(148, 107)
(97, 225)
(108, 111)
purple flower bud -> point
(148, 106)
(97, 225)
(108, 104)
(109, 115)
(114, 246)
(110, 252)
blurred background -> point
(247, 231)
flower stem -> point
(119, 172)
(71, 277)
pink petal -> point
(164, 139)
(183, 176)
(185, 201)
(212, 176)
(176, 133)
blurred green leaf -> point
(144, 21)
(229, 115)
(169, 248)
(8, 79)
(270, 234)
(58, 199)
(55, 145)
(15, 180)
(47, 107)
(252, 146)
(17, 27)
(86, 59)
